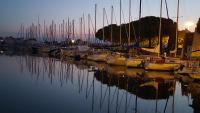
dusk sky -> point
(16, 12)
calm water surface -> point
(30, 84)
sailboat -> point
(101, 55)
(161, 64)
(135, 62)
(117, 58)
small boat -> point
(116, 59)
(134, 62)
(67, 52)
(162, 66)
(99, 57)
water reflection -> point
(100, 88)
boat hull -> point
(134, 63)
(162, 66)
(116, 60)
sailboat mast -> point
(129, 33)
(120, 35)
(95, 21)
(73, 28)
(63, 29)
(103, 24)
(160, 28)
(81, 31)
(140, 12)
(177, 25)
(88, 28)
(38, 28)
(84, 26)
(111, 25)
(44, 29)
(68, 30)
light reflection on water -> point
(31, 84)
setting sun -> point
(189, 24)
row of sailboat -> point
(120, 59)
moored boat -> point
(134, 62)
(162, 66)
(117, 60)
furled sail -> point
(153, 50)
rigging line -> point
(167, 9)
(92, 26)
(125, 25)
(115, 16)
(134, 31)
(106, 17)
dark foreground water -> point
(31, 84)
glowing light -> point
(73, 41)
(189, 24)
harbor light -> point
(73, 41)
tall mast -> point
(88, 28)
(44, 30)
(68, 30)
(111, 35)
(140, 12)
(95, 25)
(73, 27)
(81, 31)
(177, 25)
(160, 28)
(63, 29)
(38, 28)
(23, 31)
(129, 33)
(84, 26)
(120, 34)
(103, 24)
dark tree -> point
(198, 26)
(147, 28)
